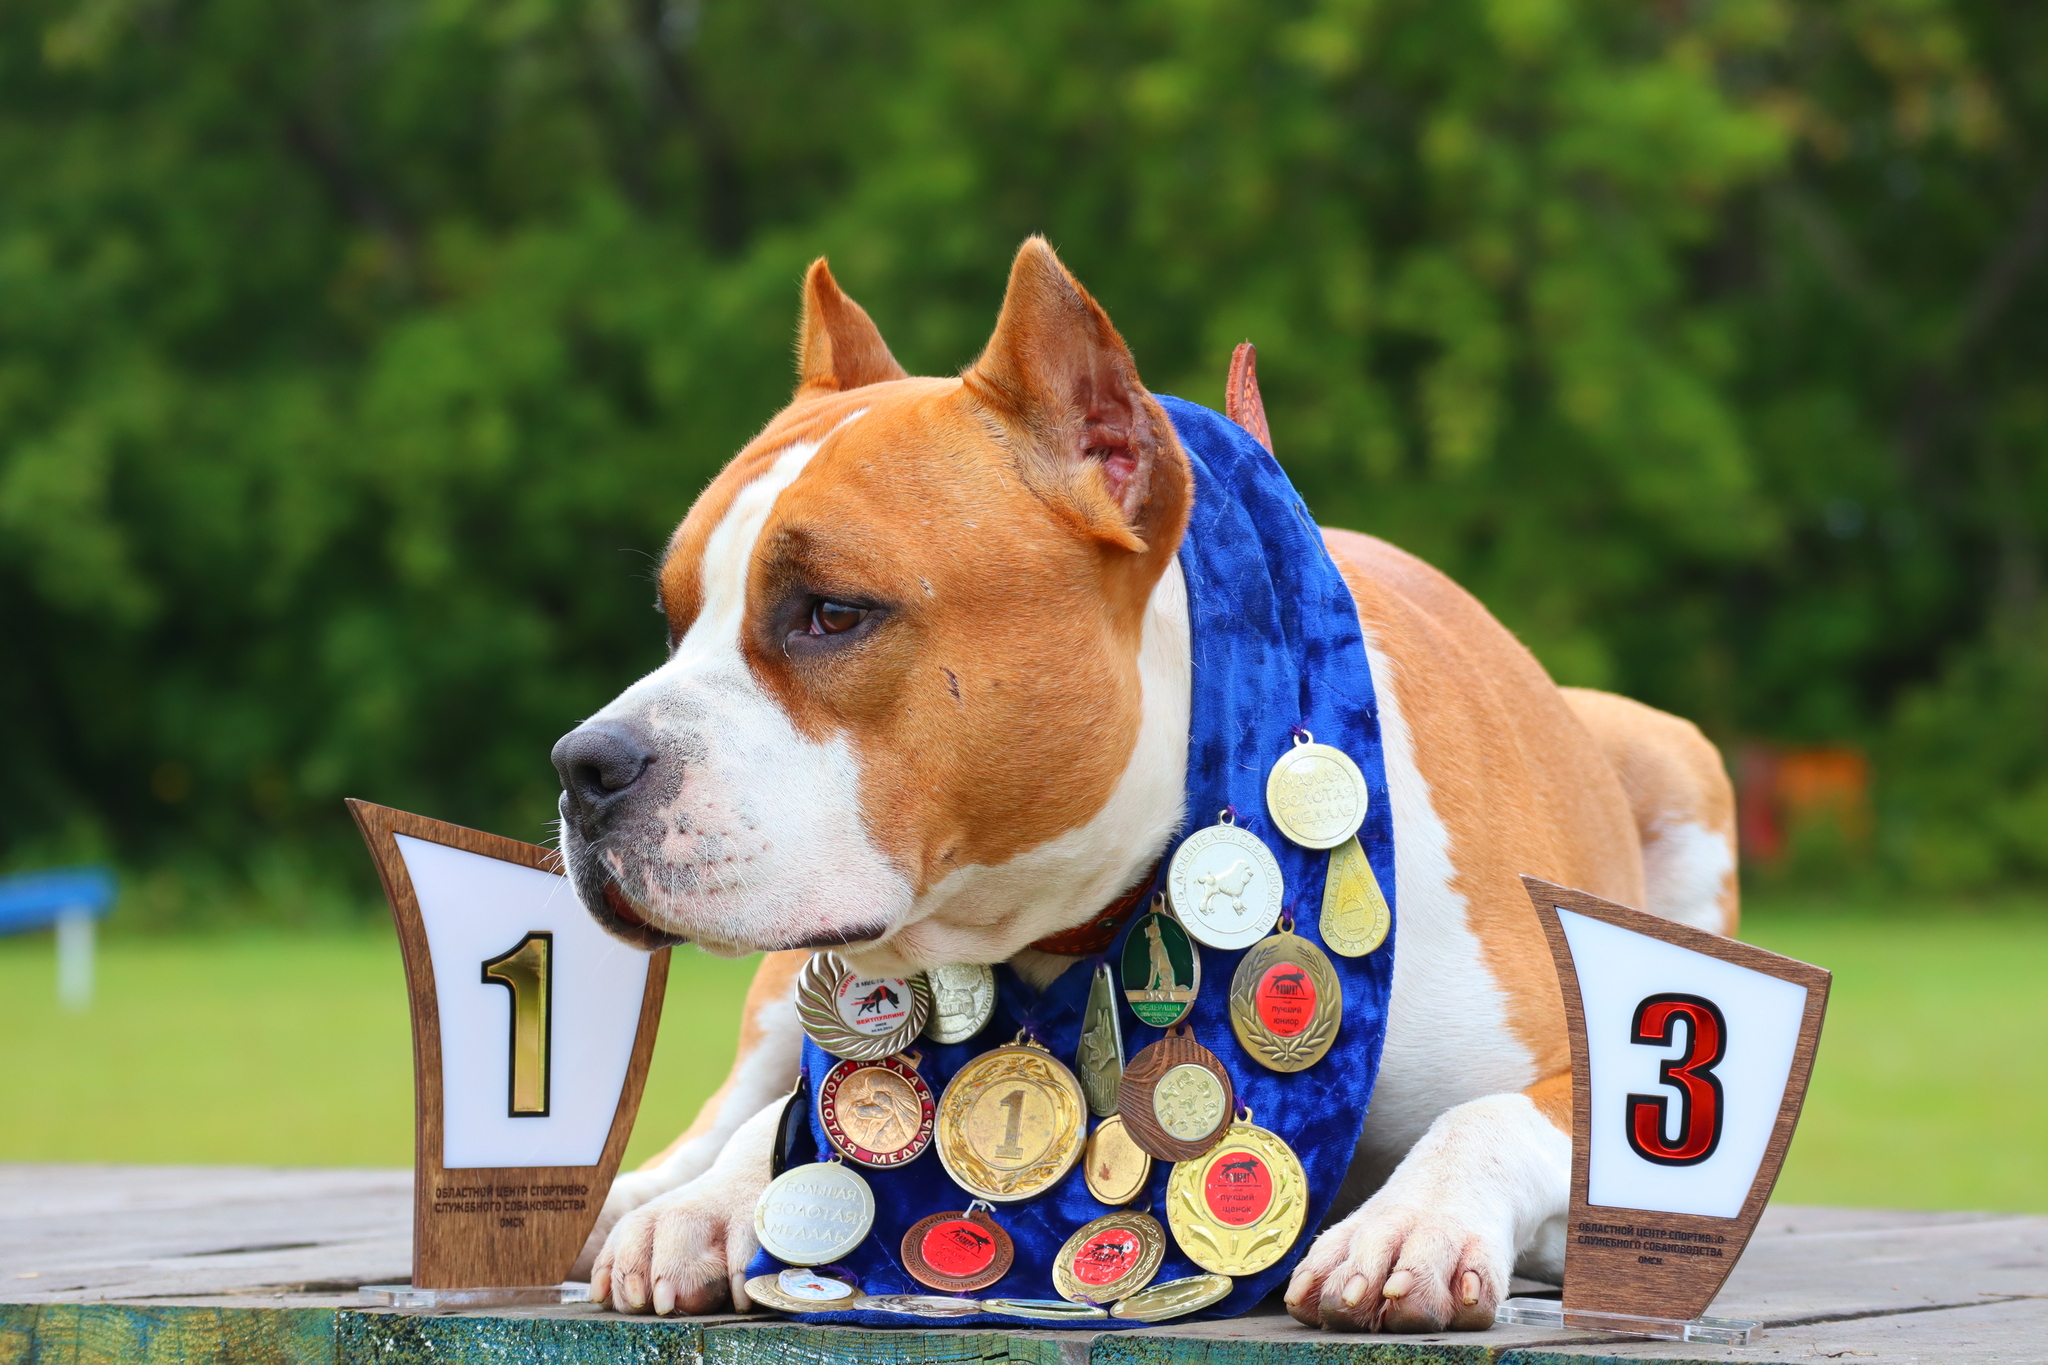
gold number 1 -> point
(528, 972)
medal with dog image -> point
(1176, 1097)
(815, 1214)
(1286, 1004)
(799, 1290)
(1115, 1255)
(1356, 916)
(1315, 794)
(958, 1252)
(963, 998)
(1099, 1059)
(1240, 1206)
(1224, 884)
(1162, 968)
(1011, 1123)
(879, 1113)
(862, 1018)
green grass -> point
(1930, 1091)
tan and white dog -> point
(926, 702)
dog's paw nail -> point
(664, 1299)
(600, 1285)
(1468, 1286)
(636, 1292)
(1354, 1291)
(1398, 1283)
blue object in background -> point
(70, 899)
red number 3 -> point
(1699, 1089)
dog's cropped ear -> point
(839, 347)
(1056, 367)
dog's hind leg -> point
(1683, 803)
(763, 1070)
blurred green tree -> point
(355, 358)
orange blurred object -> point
(1781, 790)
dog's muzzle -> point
(600, 765)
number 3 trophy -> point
(531, 1029)
(1690, 1057)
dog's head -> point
(919, 700)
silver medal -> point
(1225, 885)
(963, 998)
(861, 1018)
(815, 1214)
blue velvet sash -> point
(1276, 643)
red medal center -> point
(1238, 1187)
(1108, 1255)
(958, 1246)
(1286, 998)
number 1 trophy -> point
(1690, 1058)
(532, 1029)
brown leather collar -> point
(1098, 933)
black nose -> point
(598, 763)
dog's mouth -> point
(624, 920)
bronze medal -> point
(1355, 915)
(958, 1252)
(1174, 1298)
(1315, 794)
(1106, 1259)
(1286, 1003)
(1176, 1098)
(1099, 1060)
(1115, 1167)
(859, 1017)
(1241, 1206)
(1011, 1123)
(1224, 885)
(1161, 968)
(878, 1113)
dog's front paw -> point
(1395, 1267)
(685, 1251)
(627, 1193)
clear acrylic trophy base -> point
(499, 1296)
(1552, 1313)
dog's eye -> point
(834, 618)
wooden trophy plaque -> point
(532, 1029)
(1690, 1059)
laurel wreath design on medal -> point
(1174, 1298)
(1315, 794)
(1240, 1207)
(1114, 1255)
(879, 1113)
(1279, 970)
(1225, 885)
(819, 1009)
(1011, 1123)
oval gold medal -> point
(1011, 1123)
(1116, 1168)
(1286, 1003)
(1240, 1207)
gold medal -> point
(958, 1252)
(1115, 1255)
(919, 1306)
(1315, 794)
(1174, 1299)
(1285, 1001)
(799, 1290)
(1011, 1123)
(1100, 1058)
(1224, 885)
(1051, 1310)
(878, 1113)
(1241, 1206)
(1355, 914)
(1116, 1168)
(860, 1017)
(1162, 968)
(1176, 1098)
(963, 998)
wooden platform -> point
(211, 1265)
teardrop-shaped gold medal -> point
(1286, 1003)
(1355, 915)
(1099, 1060)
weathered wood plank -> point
(129, 1334)
(486, 1339)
